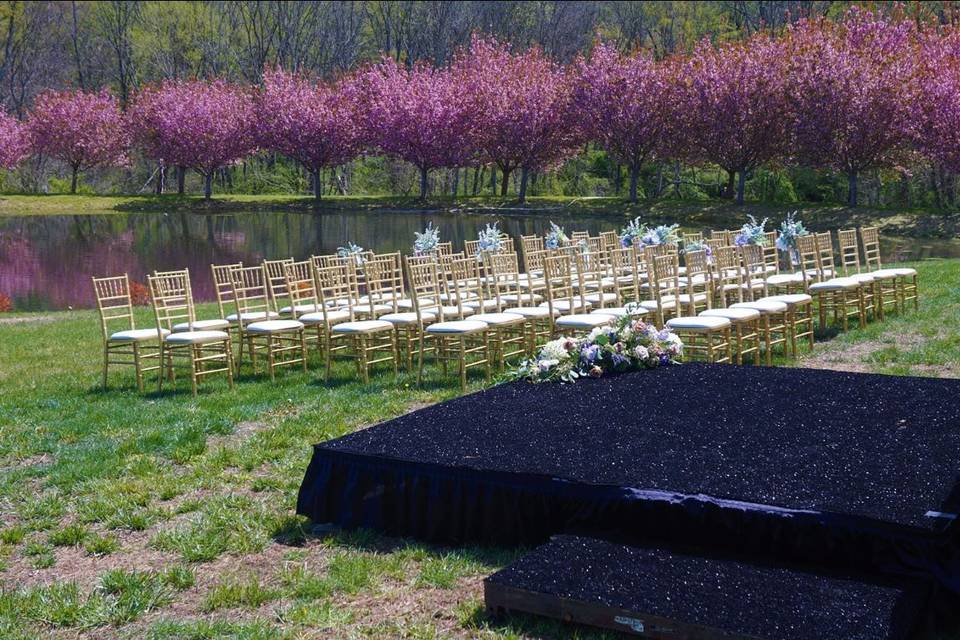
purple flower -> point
(590, 353)
(619, 360)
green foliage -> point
(97, 545)
(231, 594)
(71, 535)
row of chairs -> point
(467, 312)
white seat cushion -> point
(836, 284)
(451, 311)
(584, 320)
(653, 305)
(527, 298)
(897, 271)
(274, 326)
(596, 297)
(785, 278)
(477, 304)
(407, 317)
(764, 306)
(862, 278)
(202, 325)
(300, 308)
(791, 298)
(362, 326)
(733, 315)
(498, 318)
(376, 309)
(333, 316)
(564, 306)
(196, 337)
(618, 312)
(697, 297)
(457, 326)
(531, 312)
(253, 316)
(137, 335)
(698, 323)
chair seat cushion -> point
(457, 326)
(765, 306)
(196, 337)
(300, 308)
(653, 305)
(451, 311)
(332, 316)
(785, 278)
(606, 297)
(362, 326)
(894, 272)
(274, 326)
(698, 323)
(486, 305)
(498, 318)
(836, 284)
(791, 298)
(564, 306)
(697, 297)
(529, 298)
(862, 278)
(733, 315)
(531, 312)
(375, 309)
(584, 320)
(202, 325)
(253, 316)
(618, 312)
(407, 317)
(137, 335)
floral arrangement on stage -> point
(632, 233)
(790, 230)
(351, 250)
(752, 233)
(427, 242)
(629, 344)
(556, 237)
(664, 234)
(490, 240)
(699, 245)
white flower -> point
(595, 333)
(641, 352)
(546, 365)
(554, 351)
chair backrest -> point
(625, 271)
(771, 256)
(691, 237)
(558, 278)
(381, 284)
(223, 284)
(250, 290)
(471, 247)
(809, 257)
(114, 303)
(171, 298)
(828, 267)
(666, 278)
(699, 278)
(591, 269)
(276, 280)
(725, 235)
(610, 239)
(301, 287)
(716, 243)
(727, 272)
(444, 248)
(849, 250)
(870, 237)
(577, 236)
(424, 286)
(533, 260)
(463, 284)
(336, 287)
(503, 270)
(528, 245)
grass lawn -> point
(689, 212)
(132, 516)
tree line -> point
(865, 91)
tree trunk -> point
(181, 180)
(634, 181)
(728, 190)
(207, 185)
(852, 188)
(741, 185)
(524, 177)
(476, 180)
(74, 170)
(423, 183)
(315, 183)
(161, 179)
(493, 180)
(504, 183)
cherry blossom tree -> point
(629, 104)
(197, 124)
(81, 129)
(852, 88)
(14, 141)
(938, 134)
(422, 115)
(734, 106)
(524, 106)
(314, 122)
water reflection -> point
(47, 262)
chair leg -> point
(420, 347)
(327, 356)
(303, 349)
(228, 352)
(270, 358)
(106, 364)
(463, 363)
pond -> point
(46, 262)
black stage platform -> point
(829, 468)
(664, 594)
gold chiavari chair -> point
(533, 281)
(506, 332)
(696, 285)
(828, 269)
(349, 267)
(904, 279)
(382, 291)
(752, 272)
(772, 324)
(597, 288)
(424, 290)
(715, 243)
(123, 343)
(206, 352)
(444, 248)
(335, 282)
(771, 256)
(505, 276)
(223, 287)
(704, 337)
(626, 272)
(471, 247)
(210, 324)
(745, 330)
(725, 235)
(609, 239)
(664, 285)
(276, 282)
(727, 276)
(305, 304)
(366, 341)
(577, 236)
(282, 340)
(456, 339)
(687, 238)
(561, 295)
(806, 269)
(850, 265)
(840, 297)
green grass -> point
(197, 523)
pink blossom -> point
(14, 141)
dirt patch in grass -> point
(32, 319)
